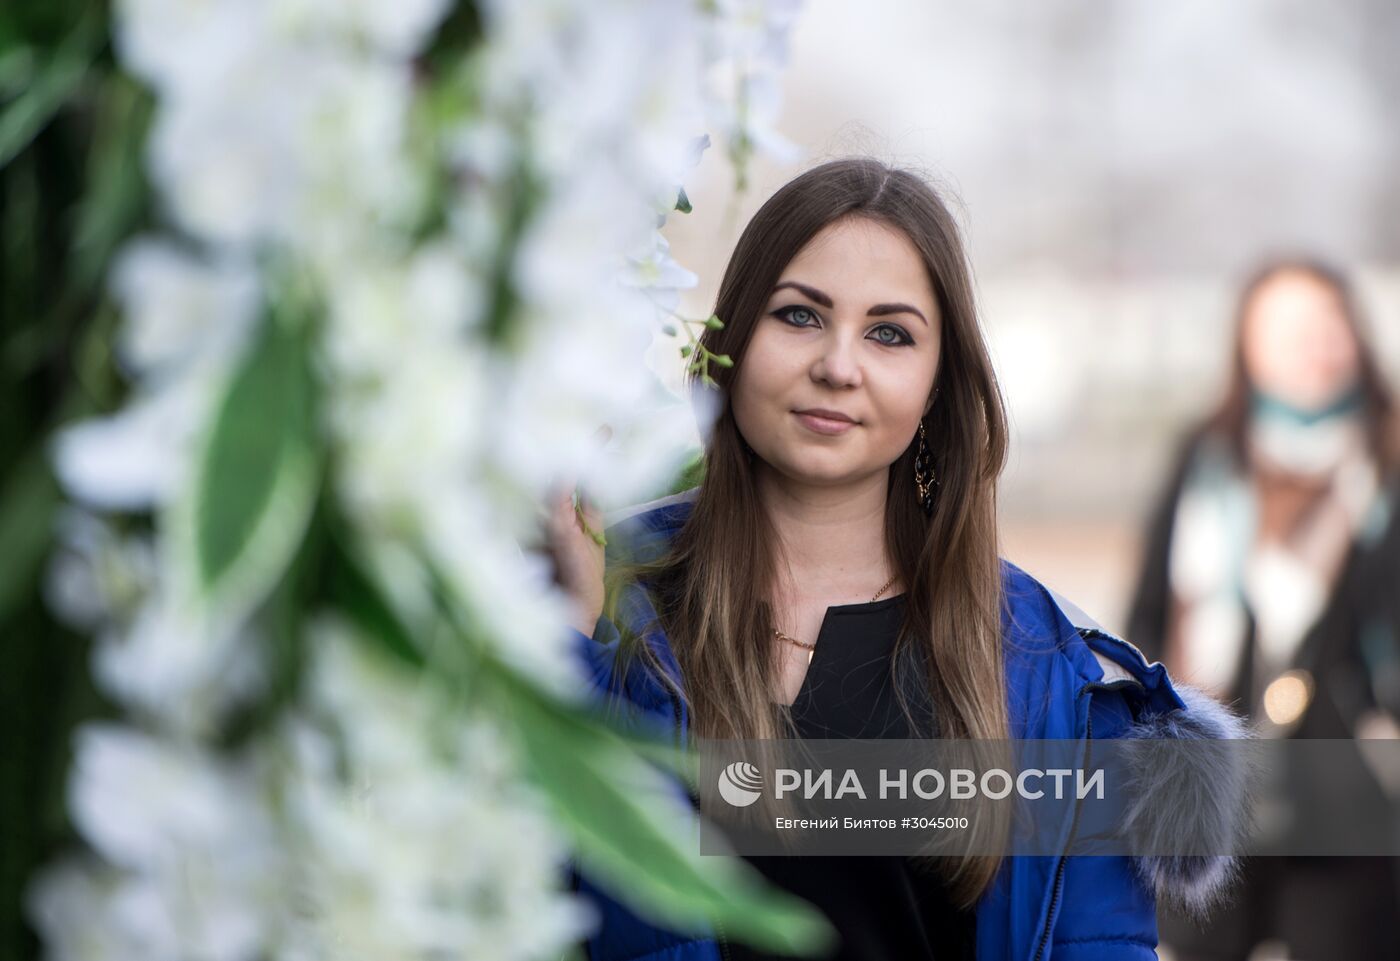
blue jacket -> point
(1066, 677)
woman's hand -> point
(578, 555)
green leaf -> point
(116, 190)
(683, 202)
(359, 598)
(16, 70)
(31, 111)
(631, 834)
(26, 511)
(255, 480)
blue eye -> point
(792, 311)
(900, 337)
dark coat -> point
(1335, 907)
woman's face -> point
(1297, 344)
(851, 328)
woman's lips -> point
(823, 425)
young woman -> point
(1269, 579)
(836, 574)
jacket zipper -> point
(1073, 830)
(1074, 825)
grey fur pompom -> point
(1181, 790)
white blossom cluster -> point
(432, 845)
(374, 817)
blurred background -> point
(1119, 169)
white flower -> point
(191, 828)
(186, 322)
(138, 457)
(96, 576)
(172, 664)
(85, 910)
(300, 144)
(746, 46)
(423, 842)
(652, 269)
(274, 123)
(182, 45)
(229, 175)
(484, 146)
(628, 92)
(180, 313)
(506, 589)
(409, 440)
(570, 381)
(140, 801)
(429, 302)
(755, 29)
(399, 29)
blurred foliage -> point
(71, 190)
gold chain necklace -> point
(811, 649)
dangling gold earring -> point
(924, 477)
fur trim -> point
(1203, 796)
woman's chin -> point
(823, 472)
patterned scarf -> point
(1225, 561)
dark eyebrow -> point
(811, 293)
(879, 310)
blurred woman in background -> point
(1270, 578)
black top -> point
(884, 908)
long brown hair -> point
(712, 589)
(1378, 411)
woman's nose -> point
(837, 364)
